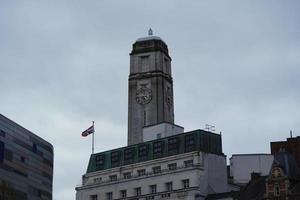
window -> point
(276, 190)
(94, 197)
(158, 149)
(166, 65)
(186, 183)
(188, 163)
(158, 135)
(113, 177)
(127, 175)
(169, 186)
(172, 166)
(123, 193)
(97, 180)
(22, 159)
(129, 155)
(156, 170)
(141, 172)
(1, 152)
(2, 133)
(138, 191)
(173, 146)
(99, 161)
(34, 147)
(190, 143)
(115, 158)
(152, 189)
(144, 63)
(109, 196)
(143, 152)
(165, 195)
(149, 197)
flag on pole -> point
(88, 131)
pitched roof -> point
(255, 189)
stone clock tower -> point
(150, 87)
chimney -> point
(255, 175)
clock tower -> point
(150, 87)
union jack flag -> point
(88, 131)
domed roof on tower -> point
(149, 37)
(149, 43)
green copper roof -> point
(198, 140)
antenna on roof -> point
(210, 128)
(150, 32)
(291, 133)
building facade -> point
(291, 145)
(160, 161)
(26, 163)
(150, 86)
(185, 166)
(243, 165)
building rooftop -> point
(197, 140)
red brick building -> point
(291, 145)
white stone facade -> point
(191, 176)
(161, 130)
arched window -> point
(276, 190)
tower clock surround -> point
(150, 87)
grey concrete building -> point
(161, 161)
(150, 87)
(242, 165)
(26, 163)
(186, 166)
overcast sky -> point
(63, 64)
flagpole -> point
(93, 141)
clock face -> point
(143, 95)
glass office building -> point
(26, 163)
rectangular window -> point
(143, 152)
(1, 151)
(152, 189)
(188, 163)
(115, 158)
(99, 161)
(190, 143)
(22, 159)
(172, 166)
(173, 146)
(127, 175)
(156, 170)
(129, 155)
(169, 186)
(185, 183)
(158, 135)
(109, 196)
(113, 177)
(158, 149)
(94, 197)
(2, 133)
(123, 193)
(138, 191)
(141, 172)
(34, 148)
(145, 63)
(97, 180)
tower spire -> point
(150, 32)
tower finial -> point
(150, 32)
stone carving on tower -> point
(150, 87)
